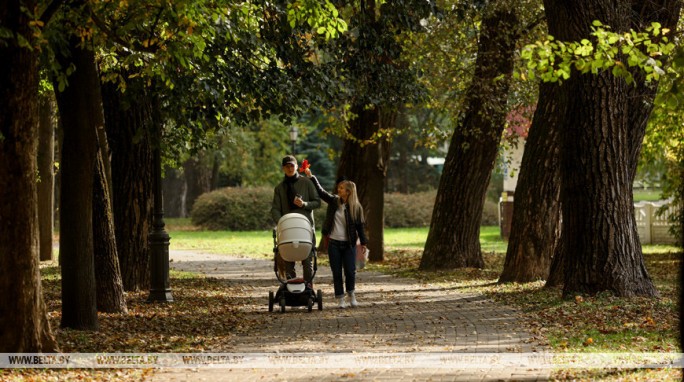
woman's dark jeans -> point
(342, 256)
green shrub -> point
(234, 209)
(249, 209)
(409, 210)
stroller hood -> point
(295, 237)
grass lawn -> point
(260, 243)
(602, 323)
(647, 195)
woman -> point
(343, 226)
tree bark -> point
(109, 292)
(24, 326)
(454, 237)
(46, 160)
(367, 166)
(600, 240)
(197, 178)
(79, 113)
(557, 272)
(173, 187)
(535, 229)
(58, 159)
(534, 250)
(640, 96)
(128, 121)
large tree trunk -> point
(535, 229)
(58, 174)
(109, 286)
(454, 237)
(640, 96)
(367, 167)
(534, 250)
(600, 240)
(197, 178)
(173, 187)
(79, 111)
(46, 159)
(110, 292)
(24, 326)
(128, 120)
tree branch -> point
(117, 39)
(51, 10)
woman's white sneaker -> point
(352, 300)
(342, 303)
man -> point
(295, 194)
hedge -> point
(234, 209)
(249, 209)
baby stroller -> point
(293, 240)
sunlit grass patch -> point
(256, 244)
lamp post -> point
(293, 139)
(158, 238)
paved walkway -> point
(395, 316)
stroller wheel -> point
(282, 304)
(271, 300)
(319, 298)
(309, 305)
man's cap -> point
(289, 159)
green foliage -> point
(369, 63)
(315, 150)
(622, 53)
(214, 64)
(445, 56)
(554, 60)
(320, 16)
(251, 154)
(414, 176)
(234, 209)
(662, 152)
(248, 209)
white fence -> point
(654, 228)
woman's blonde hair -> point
(355, 209)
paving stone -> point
(395, 315)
